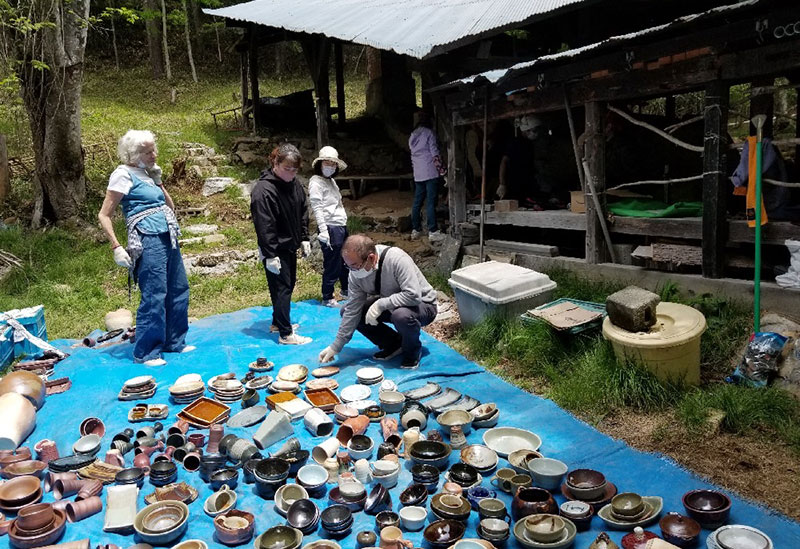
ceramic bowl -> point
(494, 527)
(360, 447)
(312, 475)
(19, 491)
(377, 500)
(544, 528)
(463, 474)
(303, 514)
(710, 508)
(492, 508)
(447, 420)
(679, 530)
(443, 533)
(424, 472)
(272, 469)
(737, 536)
(387, 519)
(627, 504)
(484, 411)
(336, 517)
(586, 484)
(413, 518)
(518, 459)
(288, 494)
(161, 522)
(224, 477)
(448, 506)
(547, 473)
(296, 459)
(414, 495)
(505, 440)
(477, 493)
(35, 517)
(87, 445)
(391, 401)
(279, 537)
(220, 502)
(484, 459)
(430, 452)
(25, 467)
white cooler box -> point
(498, 288)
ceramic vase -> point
(350, 427)
(51, 478)
(66, 487)
(19, 419)
(178, 428)
(409, 437)
(530, 501)
(26, 384)
(79, 510)
(215, 434)
(457, 438)
(291, 445)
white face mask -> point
(142, 165)
(328, 171)
(360, 273)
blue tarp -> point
(230, 342)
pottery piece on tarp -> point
(19, 419)
(120, 508)
(318, 422)
(275, 427)
(602, 541)
(389, 430)
(24, 383)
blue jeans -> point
(421, 189)
(163, 316)
(332, 262)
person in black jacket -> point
(280, 215)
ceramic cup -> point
(79, 510)
(502, 478)
(492, 508)
(318, 423)
(324, 450)
(363, 472)
(215, 434)
(520, 481)
(46, 450)
(392, 538)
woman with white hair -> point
(153, 257)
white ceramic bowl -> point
(312, 475)
(360, 454)
(479, 456)
(450, 418)
(392, 401)
(547, 473)
(86, 445)
(288, 494)
(505, 440)
(413, 518)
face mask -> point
(360, 273)
(328, 171)
(142, 165)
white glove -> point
(122, 258)
(273, 265)
(327, 355)
(373, 313)
(501, 191)
(306, 245)
(324, 238)
(155, 173)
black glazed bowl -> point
(423, 472)
(385, 519)
(444, 533)
(377, 500)
(248, 470)
(463, 474)
(336, 517)
(163, 469)
(227, 476)
(360, 442)
(133, 475)
(272, 469)
(267, 490)
(414, 494)
(428, 449)
(303, 514)
(296, 459)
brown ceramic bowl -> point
(19, 491)
(710, 508)
(34, 517)
(586, 484)
(444, 533)
(679, 530)
(234, 527)
(163, 519)
(20, 540)
(31, 467)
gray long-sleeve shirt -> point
(402, 285)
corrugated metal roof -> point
(498, 76)
(417, 28)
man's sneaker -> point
(294, 339)
(188, 349)
(387, 354)
(416, 235)
(411, 363)
(435, 236)
(154, 362)
(274, 329)
(343, 296)
(330, 303)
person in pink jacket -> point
(427, 167)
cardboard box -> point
(577, 202)
(506, 205)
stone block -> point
(633, 308)
(448, 255)
(214, 185)
(506, 205)
(199, 229)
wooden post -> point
(797, 126)
(5, 179)
(252, 54)
(595, 146)
(762, 102)
(456, 183)
(243, 61)
(339, 62)
(322, 89)
(715, 223)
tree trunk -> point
(154, 40)
(53, 101)
(5, 180)
(188, 40)
(164, 36)
(114, 42)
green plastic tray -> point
(586, 326)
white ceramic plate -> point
(362, 405)
(137, 381)
(293, 372)
(505, 440)
(369, 373)
(188, 378)
(352, 393)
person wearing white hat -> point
(326, 203)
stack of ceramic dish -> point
(258, 383)
(494, 530)
(588, 486)
(737, 536)
(543, 531)
(710, 508)
(261, 364)
(352, 495)
(303, 515)
(579, 512)
(297, 373)
(427, 475)
(37, 525)
(163, 473)
(282, 386)
(430, 452)
(386, 472)
(226, 388)
(162, 522)
(284, 537)
(450, 506)
(485, 415)
(354, 393)
(133, 475)
(629, 510)
(70, 463)
(19, 492)
(87, 445)
(342, 412)
(205, 412)
(369, 375)
(337, 520)
(138, 388)
(324, 383)
(188, 392)
(464, 475)
(270, 474)
(480, 457)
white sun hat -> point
(331, 154)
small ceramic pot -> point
(234, 527)
(390, 432)
(362, 471)
(142, 461)
(46, 450)
(79, 510)
(318, 423)
(386, 519)
(414, 418)
(191, 461)
(386, 449)
(409, 437)
(492, 508)
(198, 439)
(529, 501)
(215, 434)
(113, 457)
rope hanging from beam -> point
(693, 178)
(657, 131)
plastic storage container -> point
(498, 288)
(6, 346)
(32, 319)
(670, 349)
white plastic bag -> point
(792, 277)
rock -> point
(119, 319)
(714, 421)
(207, 239)
(448, 255)
(468, 260)
(249, 157)
(200, 228)
(633, 308)
(247, 188)
(214, 185)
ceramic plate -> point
(293, 372)
(137, 381)
(284, 386)
(505, 440)
(259, 382)
(327, 383)
(567, 540)
(187, 388)
(188, 378)
(369, 373)
(248, 416)
(427, 390)
(325, 371)
(746, 536)
(256, 368)
(362, 405)
(655, 502)
(352, 393)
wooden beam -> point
(762, 101)
(456, 178)
(594, 155)
(715, 179)
(323, 91)
(252, 56)
(339, 63)
(243, 62)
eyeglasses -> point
(360, 266)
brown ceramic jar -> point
(532, 501)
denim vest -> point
(142, 196)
